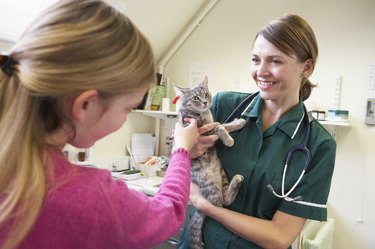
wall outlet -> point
(112, 164)
(120, 163)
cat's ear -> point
(204, 83)
(179, 90)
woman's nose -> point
(262, 69)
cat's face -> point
(196, 99)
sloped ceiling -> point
(160, 20)
(15, 15)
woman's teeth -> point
(266, 83)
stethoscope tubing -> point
(239, 107)
(301, 147)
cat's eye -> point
(196, 98)
(206, 95)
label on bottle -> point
(157, 97)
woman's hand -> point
(186, 137)
(197, 200)
(204, 142)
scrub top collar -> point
(252, 109)
(289, 124)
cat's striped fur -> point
(206, 170)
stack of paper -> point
(142, 147)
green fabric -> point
(260, 158)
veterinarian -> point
(286, 157)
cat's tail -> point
(195, 230)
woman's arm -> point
(280, 232)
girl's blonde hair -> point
(75, 45)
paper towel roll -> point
(165, 104)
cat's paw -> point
(229, 142)
(224, 136)
(240, 122)
(237, 180)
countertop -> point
(147, 185)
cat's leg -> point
(195, 230)
(231, 192)
(224, 136)
(225, 184)
(223, 131)
(236, 124)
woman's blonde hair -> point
(74, 45)
(294, 36)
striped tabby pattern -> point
(206, 170)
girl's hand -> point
(186, 137)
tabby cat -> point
(206, 170)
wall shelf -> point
(157, 114)
(333, 123)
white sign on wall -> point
(199, 70)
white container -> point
(337, 115)
(147, 170)
(165, 104)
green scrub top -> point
(260, 157)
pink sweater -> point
(88, 209)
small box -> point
(337, 115)
(319, 115)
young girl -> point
(72, 78)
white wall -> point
(5, 45)
(114, 145)
(345, 30)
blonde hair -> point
(294, 36)
(75, 45)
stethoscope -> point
(307, 116)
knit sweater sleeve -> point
(147, 221)
(86, 208)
